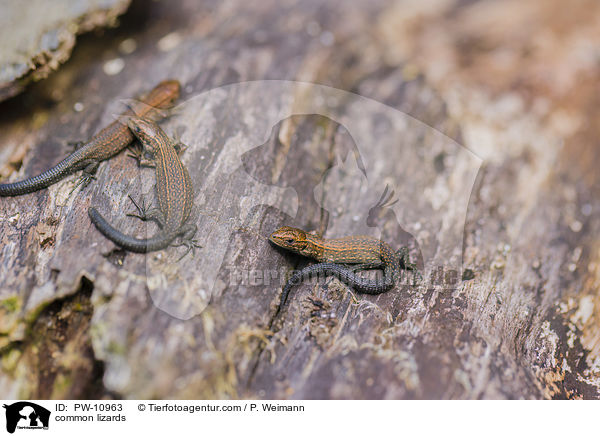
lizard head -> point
(146, 131)
(292, 239)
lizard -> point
(174, 192)
(106, 143)
(342, 257)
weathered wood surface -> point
(81, 319)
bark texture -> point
(479, 116)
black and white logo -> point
(26, 415)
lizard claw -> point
(142, 210)
(83, 181)
(141, 157)
(136, 153)
(404, 259)
(191, 245)
(406, 264)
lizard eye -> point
(289, 241)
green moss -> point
(35, 313)
(116, 348)
(62, 385)
(10, 359)
(11, 304)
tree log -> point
(480, 132)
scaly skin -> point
(174, 192)
(364, 252)
(105, 144)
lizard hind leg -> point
(405, 263)
(179, 146)
(403, 255)
(147, 214)
(186, 239)
(87, 175)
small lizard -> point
(174, 192)
(105, 144)
(354, 252)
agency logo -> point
(26, 415)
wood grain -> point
(491, 167)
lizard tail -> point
(346, 275)
(38, 182)
(157, 242)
